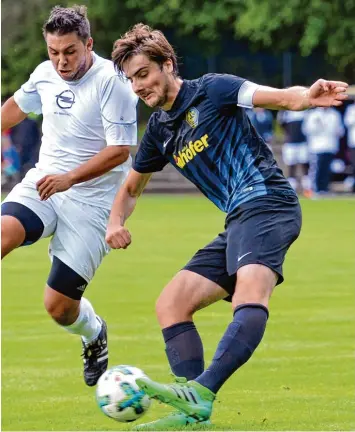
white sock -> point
(88, 324)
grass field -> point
(302, 377)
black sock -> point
(184, 349)
(237, 345)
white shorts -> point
(293, 154)
(77, 229)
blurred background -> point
(269, 42)
(302, 376)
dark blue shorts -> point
(258, 232)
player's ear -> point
(168, 66)
(90, 43)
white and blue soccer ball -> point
(119, 397)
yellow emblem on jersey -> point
(192, 117)
(187, 153)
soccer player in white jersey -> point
(89, 124)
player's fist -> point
(117, 236)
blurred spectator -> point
(10, 161)
(26, 138)
(349, 120)
(323, 128)
(262, 120)
(295, 149)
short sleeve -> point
(27, 97)
(149, 159)
(118, 105)
(227, 90)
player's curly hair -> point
(142, 39)
(68, 20)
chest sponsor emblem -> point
(189, 151)
(65, 99)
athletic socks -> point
(87, 325)
(184, 349)
(237, 345)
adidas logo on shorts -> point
(82, 287)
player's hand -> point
(117, 236)
(51, 184)
(327, 93)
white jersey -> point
(80, 118)
(349, 120)
(323, 128)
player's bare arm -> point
(11, 114)
(321, 94)
(117, 236)
(101, 163)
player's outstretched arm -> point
(11, 114)
(117, 236)
(321, 94)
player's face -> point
(71, 57)
(150, 81)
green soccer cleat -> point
(173, 421)
(190, 397)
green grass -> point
(302, 377)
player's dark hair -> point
(142, 39)
(68, 20)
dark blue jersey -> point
(210, 140)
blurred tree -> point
(306, 25)
(22, 41)
(310, 24)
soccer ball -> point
(118, 395)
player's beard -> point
(81, 71)
(162, 99)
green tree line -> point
(303, 26)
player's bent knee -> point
(61, 308)
(64, 290)
(12, 234)
(20, 225)
(62, 314)
(178, 296)
(170, 308)
(187, 293)
(166, 307)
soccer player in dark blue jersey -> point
(202, 129)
